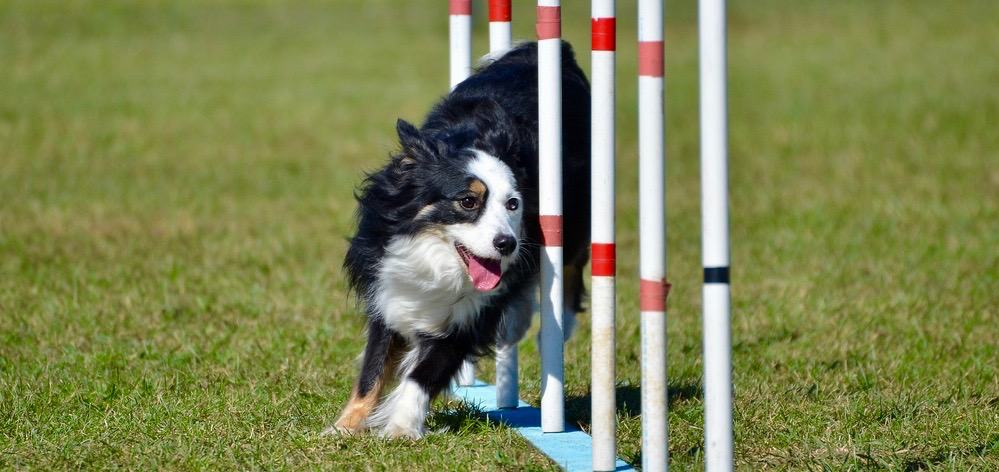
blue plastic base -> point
(572, 449)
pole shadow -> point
(628, 401)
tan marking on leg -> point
(359, 407)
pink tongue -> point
(485, 273)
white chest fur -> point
(423, 287)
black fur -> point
(496, 111)
(376, 351)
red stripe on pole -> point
(549, 24)
(650, 58)
(551, 230)
(499, 10)
(652, 294)
(603, 259)
(460, 7)
(603, 33)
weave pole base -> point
(572, 450)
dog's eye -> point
(469, 203)
(512, 204)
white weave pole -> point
(652, 234)
(507, 376)
(550, 212)
(602, 251)
(460, 13)
(718, 443)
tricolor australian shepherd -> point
(445, 259)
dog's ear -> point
(409, 136)
(414, 146)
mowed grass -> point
(175, 198)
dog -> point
(446, 254)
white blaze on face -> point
(486, 264)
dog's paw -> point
(402, 431)
(333, 431)
(345, 427)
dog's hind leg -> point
(514, 324)
(517, 316)
(572, 281)
(381, 358)
(574, 292)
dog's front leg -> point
(381, 358)
(404, 413)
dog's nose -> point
(505, 244)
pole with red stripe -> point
(500, 35)
(550, 211)
(652, 233)
(507, 389)
(603, 405)
(460, 13)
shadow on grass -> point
(940, 457)
(458, 417)
(629, 403)
(628, 399)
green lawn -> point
(175, 195)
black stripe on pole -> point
(716, 275)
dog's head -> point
(462, 194)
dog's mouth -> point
(485, 273)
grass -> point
(175, 194)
